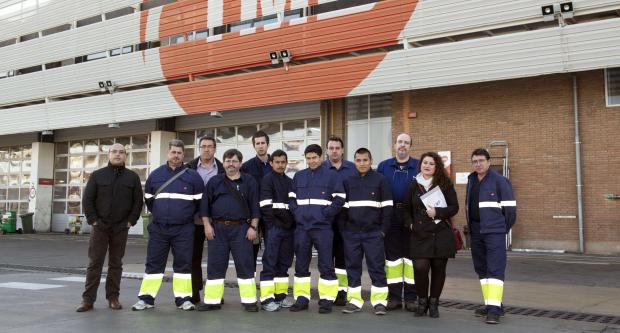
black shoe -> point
(251, 307)
(341, 299)
(298, 307)
(422, 307)
(394, 305)
(325, 308)
(380, 309)
(492, 318)
(433, 308)
(482, 312)
(411, 306)
(208, 307)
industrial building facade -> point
(540, 88)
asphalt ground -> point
(56, 263)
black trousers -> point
(199, 242)
(103, 241)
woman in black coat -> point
(431, 240)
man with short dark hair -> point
(230, 213)
(399, 171)
(112, 203)
(315, 200)
(367, 214)
(207, 166)
(279, 245)
(491, 213)
(344, 169)
(258, 167)
(172, 193)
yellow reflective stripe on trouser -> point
(182, 285)
(214, 291)
(247, 290)
(378, 295)
(267, 290)
(394, 271)
(495, 291)
(301, 287)
(343, 283)
(328, 289)
(281, 285)
(354, 296)
(483, 287)
(150, 284)
(409, 273)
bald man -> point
(112, 203)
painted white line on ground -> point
(28, 286)
(72, 279)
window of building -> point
(28, 37)
(369, 124)
(15, 167)
(89, 21)
(96, 56)
(177, 39)
(28, 70)
(154, 3)
(612, 85)
(290, 136)
(76, 160)
(7, 42)
(201, 34)
(119, 12)
(55, 30)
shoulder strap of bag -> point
(237, 195)
(168, 182)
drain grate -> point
(540, 313)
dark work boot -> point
(433, 308)
(422, 307)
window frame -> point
(607, 96)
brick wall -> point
(535, 116)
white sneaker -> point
(271, 307)
(187, 306)
(142, 305)
(287, 303)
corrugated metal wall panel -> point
(124, 70)
(572, 48)
(251, 116)
(439, 18)
(15, 22)
(68, 44)
(102, 131)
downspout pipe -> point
(578, 166)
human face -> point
(334, 151)
(232, 165)
(279, 164)
(313, 160)
(175, 156)
(117, 155)
(362, 163)
(261, 146)
(428, 167)
(207, 150)
(402, 146)
(480, 164)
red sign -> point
(46, 181)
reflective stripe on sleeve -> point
(292, 195)
(508, 203)
(280, 205)
(319, 202)
(265, 202)
(489, 204)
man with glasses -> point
(112, 203)
(344, 169)
(399, 171)
(491, 213)
(207, 166)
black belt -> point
(230, 222)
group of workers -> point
(345, 210)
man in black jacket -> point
(207, 166)
(112, 203)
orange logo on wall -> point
(360, 28)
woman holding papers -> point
(429, 204)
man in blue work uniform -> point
(279, 246)
(491, 213)
(230, 214)
(366, 220)
(258, 167)
(172, 194)
(399, 171)
(315, 200)
(207, 166)
(344, 169)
